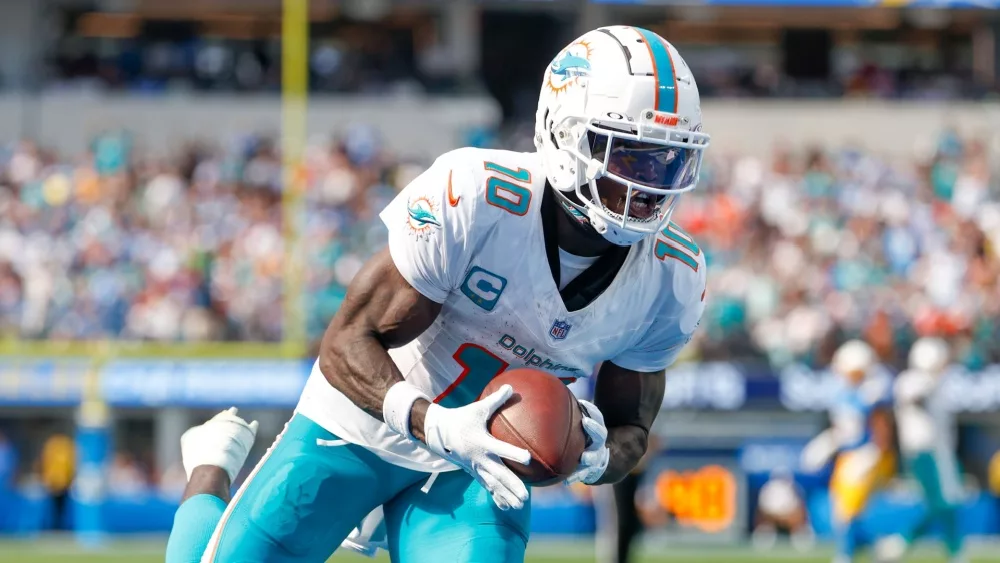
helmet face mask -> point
(639, 176)
(604, 134)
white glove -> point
(460, 436)
(594, 460)
(223, 441)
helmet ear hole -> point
(567, 164)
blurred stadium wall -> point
(149, 275)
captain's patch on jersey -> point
(559, 330)
(421, 215)
(483, 287)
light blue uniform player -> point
(560, 260)
(860, 436)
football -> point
(542, 417)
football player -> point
(861, 438)
(781, 508)
(558, 259)
(927, 441)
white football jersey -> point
(468, 233)
(923, 418)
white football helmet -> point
(929, 355)
(853, 356)
(620, 103)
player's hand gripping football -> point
(594, 460)
(460, 435)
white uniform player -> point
(501, 304)
(559, 260)
(927, 440)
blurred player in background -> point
(58, 468)
(861, 438)
(568, 252)
(781, 508)
(927, 442)
(619, 522)
(993, 474)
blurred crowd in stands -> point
(863, 79)
(814, 247)
(369, 65)
(363, 65)
(806, 249)
(110, 244)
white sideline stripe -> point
(330, 443)
(213, 542)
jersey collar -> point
(589, 285)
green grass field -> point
(63, 550)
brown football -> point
(542, 417)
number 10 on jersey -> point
(479, 367)
(502, 192)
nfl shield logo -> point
(559, 330)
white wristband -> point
(397, 405)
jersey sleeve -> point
(429, 226)
(672, 328)
(911, 387)
(876, 391)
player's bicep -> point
(380, 302)
(629, 397)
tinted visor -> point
(647, 164)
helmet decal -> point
(569, 66)
(663, 72)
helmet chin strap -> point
(580, 218)
(611, 232)
(590, 224)
(618, 236)
(596, 221)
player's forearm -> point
(630, 401)
(361, 369)
(417, 415)
(912, 390)
(358, 365)
(628, 444)
(208, 480)
(381, 311)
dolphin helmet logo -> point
(570, 65)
